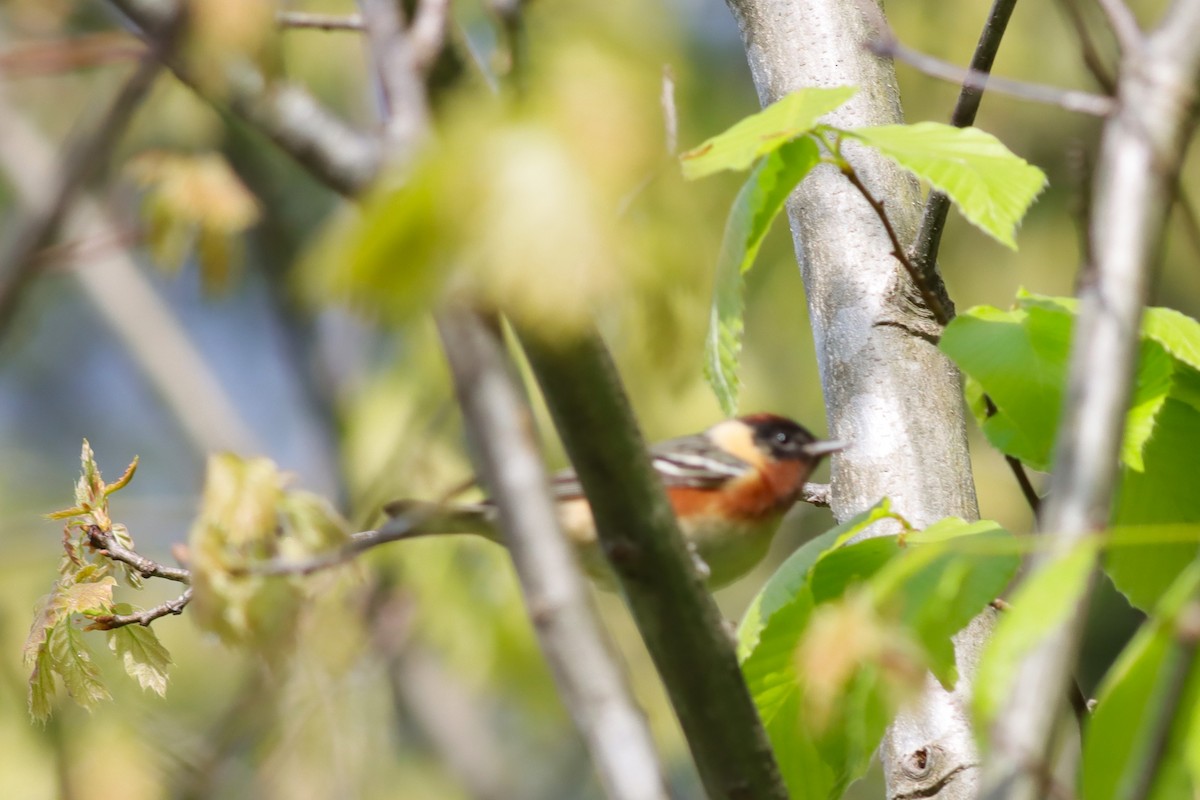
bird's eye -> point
(782, 437)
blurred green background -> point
(417, 675)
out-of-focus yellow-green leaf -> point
(195, 201)
(220, 33)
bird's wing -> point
(690, 461)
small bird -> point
(730, 487)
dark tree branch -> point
(106, 544)
(676, 615)
(82, 158)
(1090, 52)
(107, 622)
(1141, 150)
(592, 685)
(937, 204)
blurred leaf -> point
(142, 655)
(1041, 602)
(90, 596)
(1128, 700)
(758, 203)
(124, 480)
(41, 684)
(793, 574)
(850, 565)
(764, 132)
(195, 199)
(991, 186)
(73, 662)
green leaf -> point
(142, 655)
(761, 133)
(1178, 333)
(1164, 492)
(73, 662)
(41, 684)
(1039, 604)
(793, 574)
(758, 203)
(951, 571)
(1019, 359)
(1118, 731)
(992, 187)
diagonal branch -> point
(341, 157)
(107, 545)
(107, 622)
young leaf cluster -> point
(847, 628)
(82, 599)
(991, 186)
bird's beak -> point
(818, 449)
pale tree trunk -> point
(887, 388)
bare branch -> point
(106, 544)
(405, 111)
(556, 594)
(1091, 54)
(303, 20)
(71, 53)
(670, 113)
(427, 34)
(107, 622)
(341, 157)
(1140, 153)
(1123, 23)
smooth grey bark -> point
(888, 390)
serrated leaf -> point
(142, 655)
(41, 684)
(89, 487)
(73, 662)
(758, 203)
(990, 185)
(1178, 333)
(1039, 604)
(758, 134)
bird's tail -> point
(411, 518)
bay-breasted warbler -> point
(730, 487)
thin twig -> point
(933, 218)
(72, 53)
(1090, 52)
(83, 156)
(303, 20)
(670, 112)
(106, 544)
(930, 298)
(1124, 24)
(1067, 99)
(107, 622)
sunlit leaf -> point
(41, 684)
(992, 187)
(142, 655)
(758, 203)
(761, 133)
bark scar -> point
(935, 788)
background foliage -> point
(357, 411)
